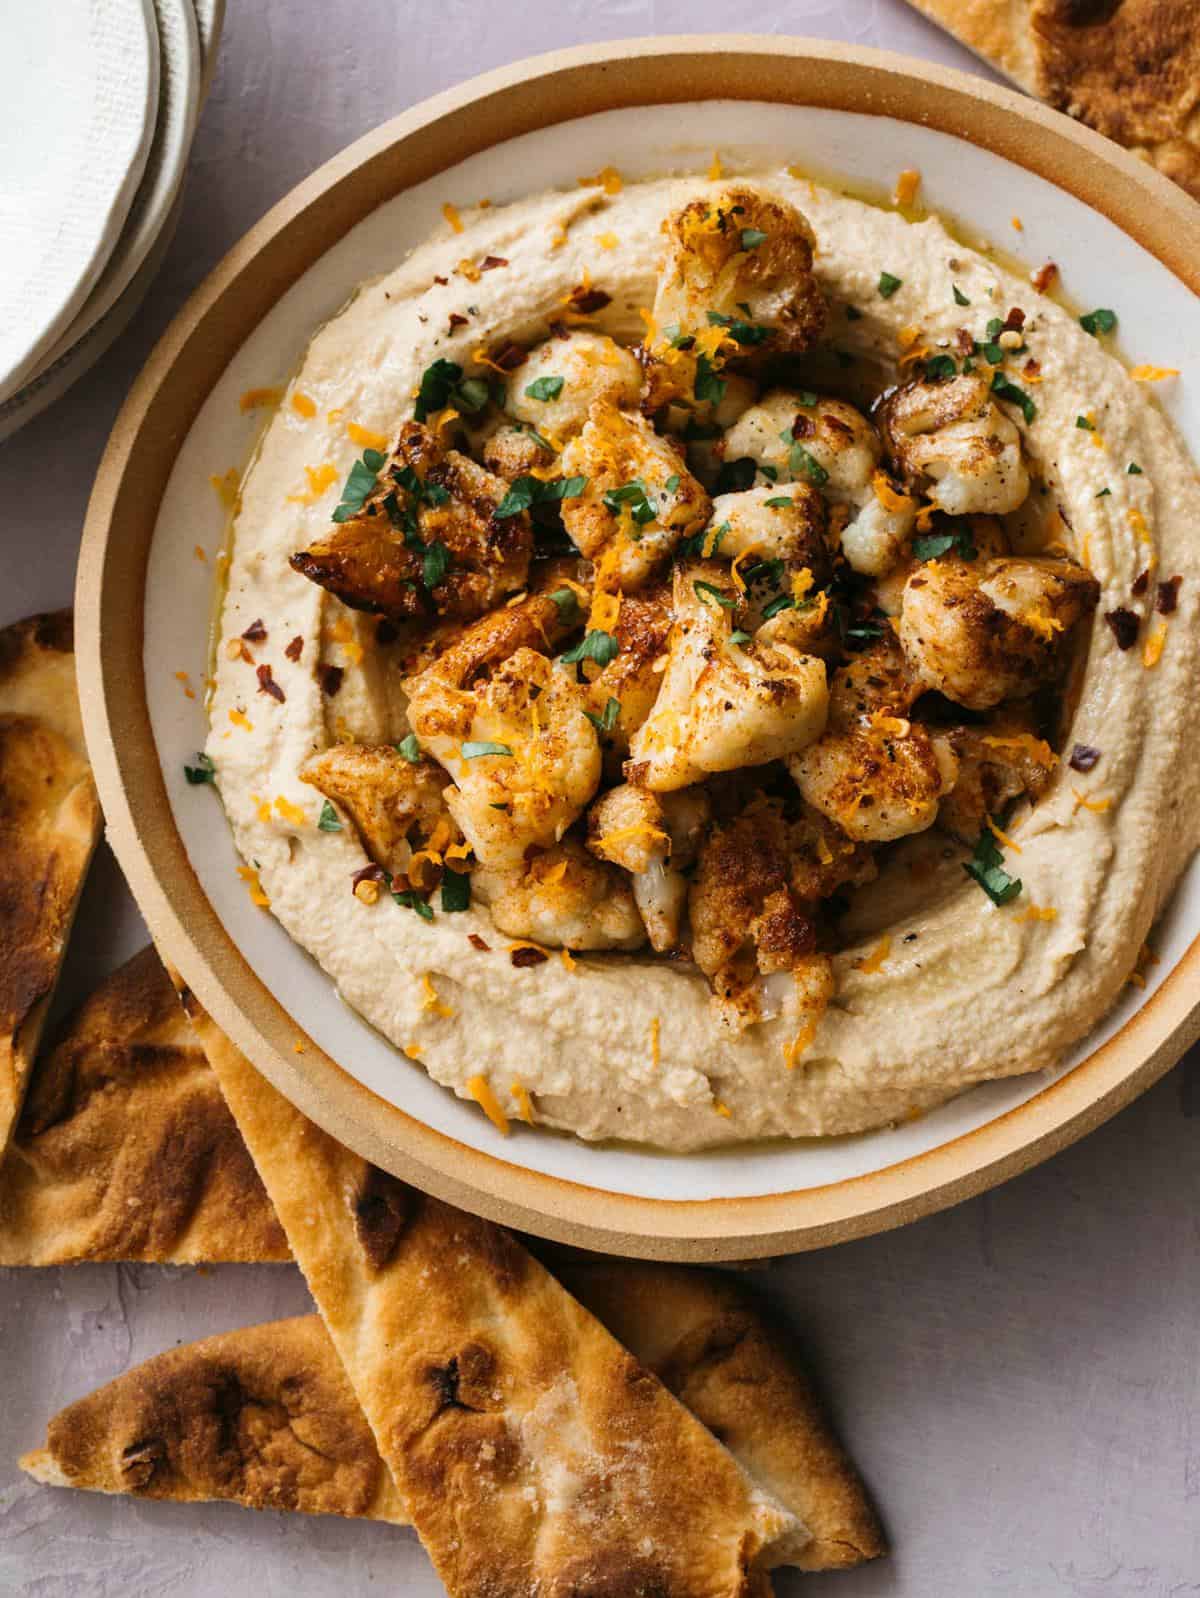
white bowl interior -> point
(1100, 265)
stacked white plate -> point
(98, 106)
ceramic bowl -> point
(1119, 233)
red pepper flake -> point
(491, 262)
(525, 957)
(1015, 320)
(295, 649)
(965, 340)
(803, 426)
(1124, 626)
(586, 301)
(1168, 596)
(1044, 277)
(1084, 757)
(559, 330)
(371, 873)
(477, 942)
(255, 633)
(1141, 582)
(268, 685)
(442, 280)
(1032, 369)
(457, 321)
(509, 357)
(330, 679)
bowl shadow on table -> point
(1042, 1330)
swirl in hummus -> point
(712, 660)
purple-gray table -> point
(1017, 1377)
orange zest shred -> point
(366, 437)
(793, 1050)
(227, 487)
(240, 719)
(1038, 912)
(320, 478)
(636, 830)
(1018, 225)
(907, 185)
(1036, 748)
(467, 268)
(887, 495)
(872, 963)
(450, 212)
(608, 179)
(458, 851)
(430, 1000)
(565, 956)
(298, 1047)
(607, 241)
(481, 1091)
(722, 1109)
(1153, 647)
(182, 677)
(735, 570)
(304, 405)
(343, 633)
(1096, 806)
(255, 888)
(890, 726)
(524, 1103)
(413, 1051)
(200, 553)
(289, 811)
(650, 324)
(1138, 523)
(1002, 837)
(604, 612)
(925, 516)
(716, 171)
(655, 1050)
(257, 399)
(1152, 374)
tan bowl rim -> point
(110, 594)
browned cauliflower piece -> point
(998, 762)
(986, 630)
(563, 898)
(655, 838)
(642, 628)
(428, 541)
(511, 452)
(955, 437)
(568, 376)
(396, 805)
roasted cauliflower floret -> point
(986, 630)
(568, 376)
(428, 541)
(955, 436)
(748, 922)
(998, 762)
(634, 675)
(737, 281)
(396, 805)
(876, 774)
(523, 756)
(458, 654)
(653, 837)
(513, 452)
(723, 705)
(828, 443)
(563, 898)
(774, 522)
(640, 498)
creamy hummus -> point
(943, 988)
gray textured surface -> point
(1017, 1377)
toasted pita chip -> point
(703, 1335)
(49, 823)
(263, 1416)
(126, 1149)
(534, 1455)
(1130, 70)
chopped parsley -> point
(202, 771)
(476, 748)
(410, 899)
(634, 498)
(888, 285)
(1008, 390)
(777, 500)
(567, 602)
(456, 890)
(709, 594)
(598, 646)
(436, 564)
(801, 463)
(362, 479)
(959, 297)
(752, 237)
(545, 388)
(739, 637)
(443, 384)
(329, 819)
(607, 720)
(1083, 423)
(940, 367)
(525, 492)
(1097, 322)
(991, 352)
(745, 333)
(774, 606)
(932, 546)
(986, 867)
(671, 484)
(708, 385)
(409, 748)
(1133, 470)
(1104, 493)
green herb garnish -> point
(959, 297)
(777, 500)
(1008, 390)
(986, 867)
(708, 385)
(409, 748)
(364, 474)
(1133, 470)
(456, 890)
(801, 463)
(1097, 322)
(607, 720)
(632, 497)
(545, 388)
(744, 333)
(598, 646)
(932, 546)
(1083, 423)
(436, 564)
(715, 596)
(739, 637)
(202, 771)
(774, 606)
(410, 899)
(671, 484)
(940, 367)
(1104, 493)
(888, 285)
(525, 492)
(475, 749)
(752, 237)
(329, 819)
(567, 602)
